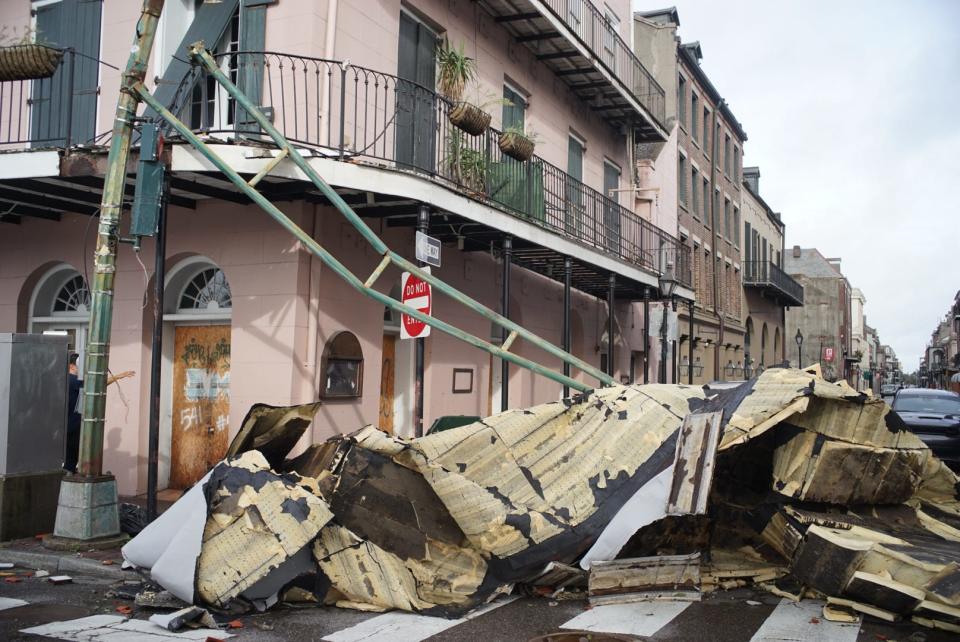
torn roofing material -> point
(441, 523)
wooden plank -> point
(694, 465)
(387, 382)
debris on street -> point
(788, 482)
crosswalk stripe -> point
(117, 628)
(637, 618)
(10, 603)
(803, 621)
(408, 627)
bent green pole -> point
(108, 238)
(330, 261)
(199, 53)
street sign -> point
(428, 249)
(828, 354)
(416, 293)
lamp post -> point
(668, 284)
(799, 340)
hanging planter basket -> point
(516, 145)
(28, 62)
(469, 118)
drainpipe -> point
(329, 43)
(715, 223)
(313, 315)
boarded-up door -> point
(387, 382)
(201, 401)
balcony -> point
(379, 119)
(773, 281)
(575, 40)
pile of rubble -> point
(789, 482)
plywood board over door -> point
(387, 382)
(201, 401)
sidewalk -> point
(31, 553)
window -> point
(208, 290)
(514, 108)
(210, 105)
(736, 164)
(705, 197)
(726, 218)
(342, 367)
(736, 226)
(695, 191)
(682, 180)
(73, 296)
(726, 155)
(694, 113)
(611, 27)
(682, 101)
(706, 131)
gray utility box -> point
(33, 427)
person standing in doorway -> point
(75, 384)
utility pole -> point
(87, 508)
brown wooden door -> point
(201, 401)
(387, 382)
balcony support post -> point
(567, 277)
(611, 321)
(505, 311)
(690, 307)
(423, 225)
(646, 334)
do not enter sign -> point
(416, 293)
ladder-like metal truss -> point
(389, 257)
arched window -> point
(342, 367)
(60, 305)
(208, 290)
(72, 297)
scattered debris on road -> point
(788, 482)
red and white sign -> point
(828, 354)
(416, 293)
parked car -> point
(889, 389)
(934, 416)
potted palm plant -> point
(24, 59)
(517, 143)
(455, 70)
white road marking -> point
(803, 621)
(636, 618)
(10, 603)
(118, 629)
(408, 627)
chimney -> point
(751, 176)
(796, 251)
(667, 17)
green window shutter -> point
(748, 256)
(253, 36)
(209, 24)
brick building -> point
(709, 152)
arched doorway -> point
(60, 304)
(764, 341)
(747, 350)
(396, 375)
(777, 348)
(197, 321)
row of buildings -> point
(940, 364)
(634, 236)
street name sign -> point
(428, 249)
(418, 294)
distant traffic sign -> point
(416, 293)
(428, 249)
(828, 354)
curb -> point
(61, 564)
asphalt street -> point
(730, 616)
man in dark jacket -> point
(73, 415)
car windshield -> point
(941, 405)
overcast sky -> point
(852, 112)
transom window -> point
(73, 296)
(208, 290)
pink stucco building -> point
(249, 315)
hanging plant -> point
(517, 143)
(455, 70)
(470, 118)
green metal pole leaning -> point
(330, 261)
(200, 54)
(108, 238)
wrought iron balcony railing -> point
(357, 114)
(767, 275)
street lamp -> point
(799, 340)
(668, 285)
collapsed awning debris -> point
(787, 482)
